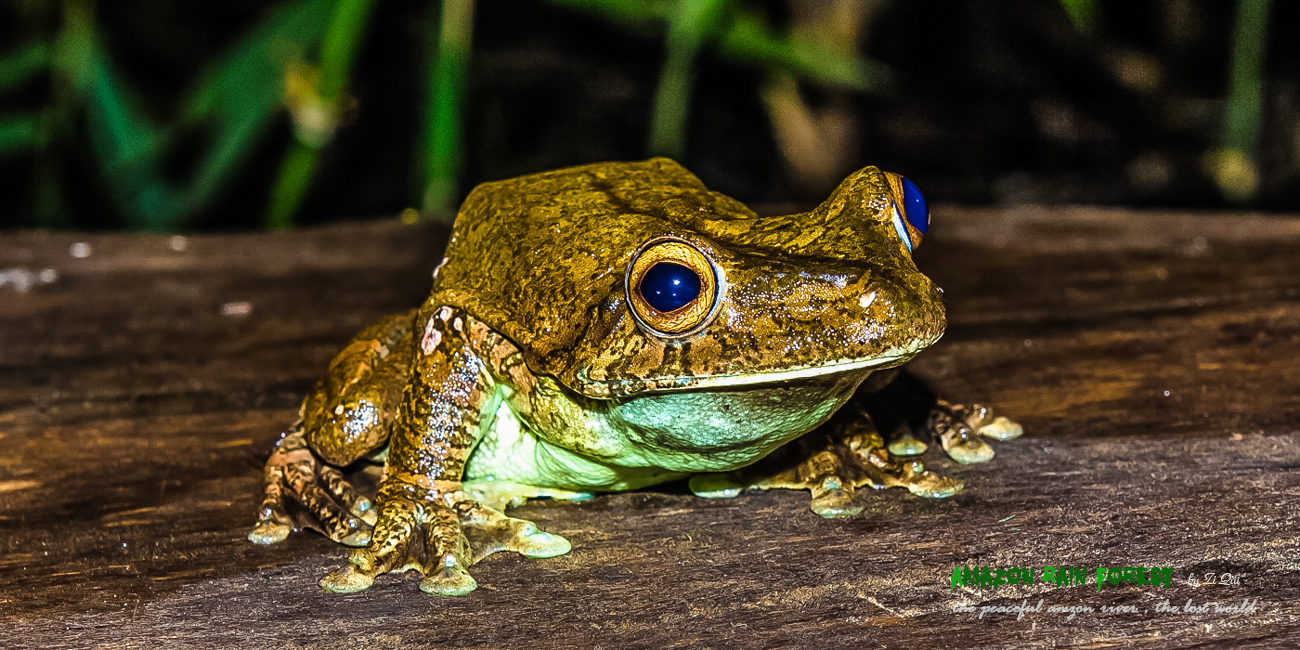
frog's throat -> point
(892, 358)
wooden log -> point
(1152, 358)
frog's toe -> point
(962, 430)
(347, 580)
(269, 532)
(883, 470)
(448, 579)
(718, 485)
(302, 491)
(542, 544)
(347, 497)
(965, 446)
(831, 500)
(408, 536)
(359, 537)
(902, 442)
(926, 484)
(1001, 429)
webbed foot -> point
(440, 539)
(303, 491)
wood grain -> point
(1154, 359)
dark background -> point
(994, 102)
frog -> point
(612, 327)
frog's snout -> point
(906, 312)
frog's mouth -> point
(892, 358)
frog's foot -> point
(961, 430)
(302, 491)
(831, 466)
(440, 538)
(490, 531)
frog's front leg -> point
(831, 461)
(449, 401)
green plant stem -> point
(338, 52)
(694, 22)
(448, 66)
(296, 170)
(339, 49)
(69, 63)
(1245, 87)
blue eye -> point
(668, 287)
(917, 212)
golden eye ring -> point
(673, 289)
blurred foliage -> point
(314, 97)
(294, 81)
(1082, 12)
(1234, 167)
(447, 62)
(230, 106)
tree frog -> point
(610, 327)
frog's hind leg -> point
(831, 461)
(301, 491)
(345, 419)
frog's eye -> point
(672, 288)
(911, 214)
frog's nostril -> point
(867, 298)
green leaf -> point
(748, 40)
(24, 64)
(346, 25)
(1083, 13)
(18, 133)
(630, 13)
(233, 103)
(751, 41)
(238, 97)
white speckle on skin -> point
(432, 337)
(237, 309)
(444, 313)
(867, 298)
(439, 267)
(338, 410)
(79, 250)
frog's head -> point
(622, 279)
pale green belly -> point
(509, 453)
